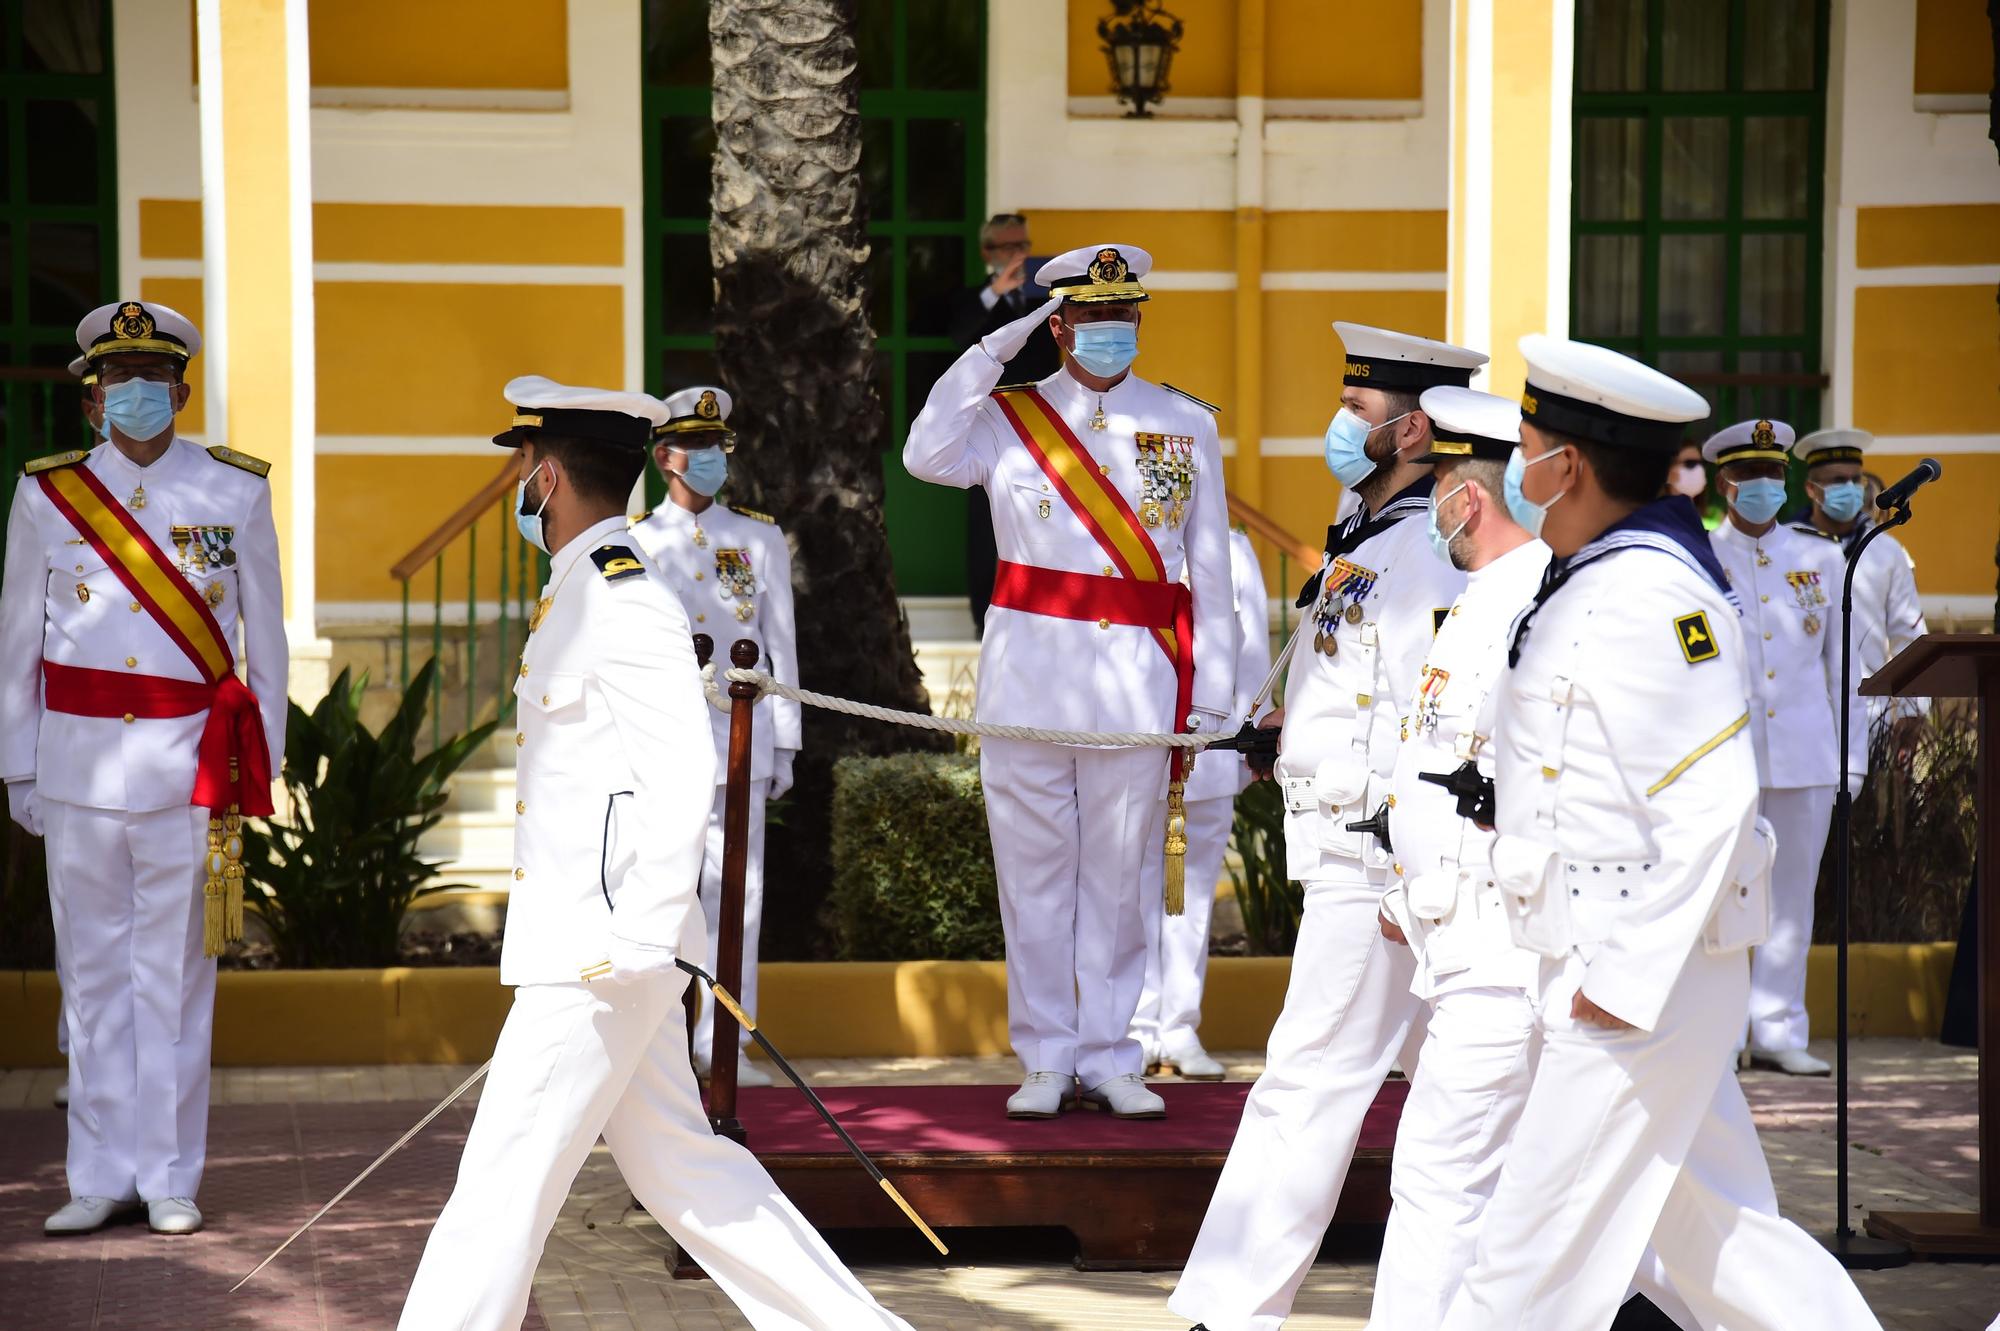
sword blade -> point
(400, 1143)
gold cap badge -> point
(1763, 436)
(708, 408)
(1109, 266)
(132, 321)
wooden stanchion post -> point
(743, 655)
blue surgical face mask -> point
(1106, 349)
(1347, 447)
(706, 469)
(530, 524)
(1522, 509)
(1441, 543)
(140, 408)
(1759, 498)
(1842, 500)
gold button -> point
(79, 568)
(1770, 674)
(1767, 636)
(701, 619)
(1103, 470)
(519, 739)
(519, 874)
(1770, 712)
(1764, 598)
(128, 718)
(131, 660)
(520, 806)
(545, 700)
(697, 577)
(1104, 623)
(524, 670)
(135, 607)
(1110, 572)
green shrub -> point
(912, 864)
(27, 934)
(1271, 902)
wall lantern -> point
(1140, 39)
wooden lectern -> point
(1963, 665)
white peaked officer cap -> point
(1595, 394)
(621, 420)
(1832, 446)
(80, 367)
(1383, 358)
(1466, 423)
(702, 408)
(136, 326)
(1762, 440)
(1097, 275)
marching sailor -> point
(138, 573)
(1630, 857)
(1789, 585)
(732, 571)
(1106, 489)
(1373, 608)
(616, 777)
(1472, 1076)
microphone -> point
(1898, 495)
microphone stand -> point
(1856, 1252)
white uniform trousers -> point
(1631, 1137)
(711, 909)
(1348, 1012)
(574, 1060)
(1472, 1080)
(138, 996)
(1070, 829)
(1177, 945)
(1799, 816)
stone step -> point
(481, 790)
(471, 841)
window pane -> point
(687, 155)
(882, 285)
(924, 369)
(1694, 45)
(1611, 184)
(1795, 404)
(875, 42)
(63, 280)
(1774, 286)
(943, 43)
(686, 367)
(1774, 166)
(1607, 286)
(687, 284)
(62, 152)
(1778, 40)
(935, 184)
(1693, 282)
(7, 276)
(878, 166)
(1694, 167)
(935, 274)
(1611, 45)
(62, 36)
(677, 43)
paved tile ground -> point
(283, 1140)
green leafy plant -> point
(1271, 902)
(333, 883)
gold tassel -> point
(1176, 846)
(214, 915)
(232, 875)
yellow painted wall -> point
(1954, 48)
(374, 509)
(417, 233)
(1205, 66)
(1948, 234)
(1925, 360)
(184, 294)
(1368, 50)
(1951, 536)
(1191, 240)
(1373, 241)
(441, 44)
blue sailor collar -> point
(1361, 525)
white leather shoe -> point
(1192, 1062)
(1125, 1097)
(1792, 1062)
(173, 1215)
(1042, 1095)
(86, 1215)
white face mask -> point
(1689, 479)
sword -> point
(400, 1143)
(743, 1019)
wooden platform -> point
(1938, 1234)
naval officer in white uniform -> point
(1631, 858)
(616, 775)
(1789, 585)
(1374, 605)
(732, 571)
(1107, 494)
(102, 714)
(1478, 1054)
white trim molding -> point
(1275, 108)
(1929, 275)
(446, 99)
(410, 445)
(1933, 445)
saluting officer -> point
(138, 572)
(1629, 857)
(1374, 607)
(616, 778)
(1472, 1076)
(1105, 489)
(1789, 585)
(732, 571)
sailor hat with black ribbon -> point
(1383, 358)
(1832, 446)
(1466, 423)
(1595, 394)
(695, 410)
(80, 367)
(1097, 275)
(621, 420)
(1760, 440)
(136, 326)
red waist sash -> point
(235, 726)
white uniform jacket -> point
(733, 574)
(1379, 605)
(1444, 894)
(1626, 781)
(62, 603)
(615, 771)
(1074, 674)
(1789, 586)
(1888, 616)
(1224, 775)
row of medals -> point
(1324, 641)
(1812, 624)
(730, 582)
(192, 546)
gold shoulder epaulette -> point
(755, 515)
(641, 518)
(1811, 530)
(1182, 392)
(255, 466)
(54, 460)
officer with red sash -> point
(1105, 489)
(140, 574)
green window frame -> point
(924, 168)
(1697, 200)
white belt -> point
(1608, 880)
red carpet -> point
(972, 1120)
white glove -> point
(638, 961)
(781, 772)
(23, 806)
(1005, 343)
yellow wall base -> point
(811, 1010)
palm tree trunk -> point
(789, 249)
